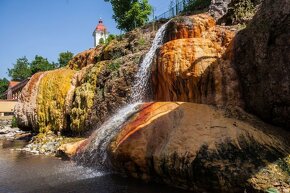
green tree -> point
(130, 14)
(110, 38)
(21, 70)
(64, 58)
(41, 64)
(3, 86)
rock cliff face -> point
(81, 96)
(198, 147)
(218, 148)
(219, 8)
(262, 59)
(195, 64)
(26, 109)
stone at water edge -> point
(70, 149)
(197, 147)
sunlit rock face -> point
(85, 58)
(26, 109)
(189, 27)
(194, 65)
(52, 97)
(81, 96)
(262, 59)
(197, 147)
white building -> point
(100, 32)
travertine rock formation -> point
(197, 147)
(195, 64)
(262, 60)
(26, 108)
(78, 98)
(52, 94)
(85, 58)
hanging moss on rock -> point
(51, 99)
(84, 98)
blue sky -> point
(48, 27)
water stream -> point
(96, 151)
(142, 77)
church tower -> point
(100, 32)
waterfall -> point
(96, 151)
(143, 74)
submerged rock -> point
(197, 147)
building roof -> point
(100, 27)
(13, 83)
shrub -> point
(114, 66)
(243, 10)
(14, 122)
(84, 99)
(110, 38)
(141, 41)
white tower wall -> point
(97, 36)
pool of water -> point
(24, 172)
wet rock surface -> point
(49, 144)
(44, 144)
(199, 147)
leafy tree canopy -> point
(64, 58)
(40, 64)
(130, 13)
(110, 38)
(3, 86)
(21, 69)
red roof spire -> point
(100, 26)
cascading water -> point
(143, 74)
(96, 151)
